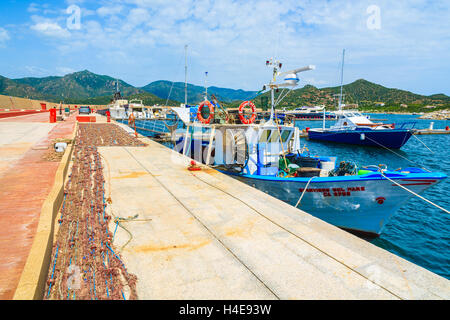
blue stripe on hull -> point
(349, 204)
(391, 138)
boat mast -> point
(342, 80)
(206, 87)
(185, 75)
(272, 85)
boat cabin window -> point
(285, 135)
(358, 115)
(264, 136)
(275, 137)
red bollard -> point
(43, 106)
(53, 115)
(307, 129)
(108, 116)
(447, 128)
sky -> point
(399, 44)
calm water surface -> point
(418, 232)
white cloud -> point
(233, 38)
(33, 7)
(109, 10)
(51, 29)
(62, 71)
(4, 36)
(36, 71)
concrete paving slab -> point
(213, 237)
(25, 181)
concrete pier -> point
(26, 179)
(204, 235)
(194, 235)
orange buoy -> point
(211, 112)
(243, 119)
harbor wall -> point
(32, 281)
(15, 103)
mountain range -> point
(86, 87)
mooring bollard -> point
(52, 115)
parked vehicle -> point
(84, 110)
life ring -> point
(131, 120)
(244, 120)
(211, 112)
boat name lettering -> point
(337, 192)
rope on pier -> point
(84, 264)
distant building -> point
(379, 104)
(430, 107)
(404, 105)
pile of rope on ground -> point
(85, 264)
(108, 134)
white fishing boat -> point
(119, 105)
(270, 158)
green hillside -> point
(86, 87)
(12, 88)
(79, 85)
(147, 98)
(196, 94)
(362, 92)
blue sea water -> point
(418, 232)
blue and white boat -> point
(269, 157)
(352, 127)
(158, 121)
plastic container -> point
(328, 165)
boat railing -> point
(409, 125)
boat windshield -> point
(264, 136)
(275, 137)
(285, 135)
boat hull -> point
(389, 138)
(361, 205)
